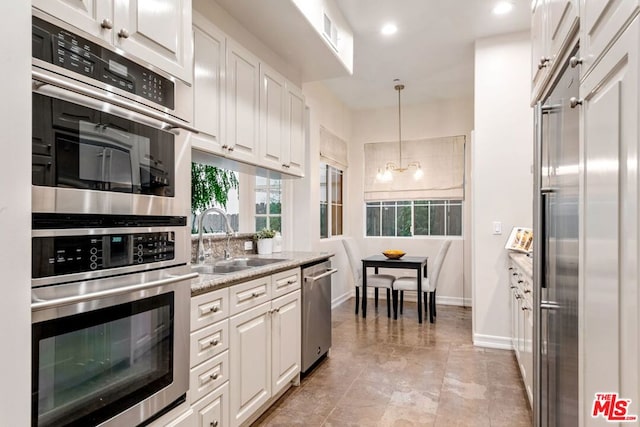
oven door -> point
(93, 157)
(117, 355)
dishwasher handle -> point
(325, 274)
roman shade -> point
(442, 161)
(333, 150)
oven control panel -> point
(65, 49)
(55, 256)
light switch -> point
(248, 245)
(497, 227)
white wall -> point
(502, 156)
(445, 118)
(324, 110)
(15, 215)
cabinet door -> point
(562, 21)
(600, 21)
(158, 33)
(250, 350)
(209, 45)
(91, 16)
(285, 340)
(272, 118)
(539, 48)
(609, 255)
(213, 409)
(528, 352)
(242, 109)
(294, 146)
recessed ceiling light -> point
(502, 7)
(389, 29)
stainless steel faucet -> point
(230, 232)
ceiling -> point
(432, 53)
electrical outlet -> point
(248, 245)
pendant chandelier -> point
(386, 174)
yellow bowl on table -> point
(393, 253)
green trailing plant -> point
(210, 185)
(265, 233)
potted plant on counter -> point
(265, 240)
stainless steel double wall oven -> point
(110, 243)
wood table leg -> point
(419, 277)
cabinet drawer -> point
(285, 282)
(250, 294)
(209, 308)
(209, 341)
(213, 409)
(208, 376)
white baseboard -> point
(492, 341)
(461, 302)
(342, 298)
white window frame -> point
(328, 167)
(268, 188)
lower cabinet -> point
(522, 324)
(265, 344)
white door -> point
(609, 255)
(250, 361)
(243, 77)
(540, 61)
(562, 17)
(272, 118)
(208, 85)
(294, 146)
(92, 16)
(157, 32)
(286, 340)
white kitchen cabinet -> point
(609, 234)
(242, 104)
(272, 117)
(553, 24)
(250, 347)
(213, 410)
(601, 21)
(294, 141)
(94, 17)
(208, 85)
(285, 340)
(158, 33)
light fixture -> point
(386, 174)
(502, 7)
(389, 29)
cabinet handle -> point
(277, 310)
(514, 274)
(525, 308)
(213, 424)
(214, 309)
(290, 282)
(518, 296)
(510, 268)
(574, 61)
(574, 102)
(225, 146)
(214, 376)
(520, 281)
(513, 286)
(255, 295)
(284, 165)
(106, 24)
(527, 291)
(230, 148)
(123, 33)
(544, 61)
(214, 343)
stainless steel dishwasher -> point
(316, 312)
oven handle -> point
(40, 305)
(80, 93)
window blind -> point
(333, 150)
(442, 161)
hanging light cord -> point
(399, 88)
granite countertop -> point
(210, 282)
(524, 262)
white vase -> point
(265, 246)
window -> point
(330, 201)
(268, 212)
(213, 186)
(414, 218)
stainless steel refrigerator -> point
(556, 225)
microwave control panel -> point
(65, 49)
(55, 256)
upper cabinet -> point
(553, 25)
(157, 32)
(293, 150)
(601, 22)
(272, 117)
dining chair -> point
(429, 283)
(376, 281)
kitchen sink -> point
(233, 265)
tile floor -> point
(383, 372)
